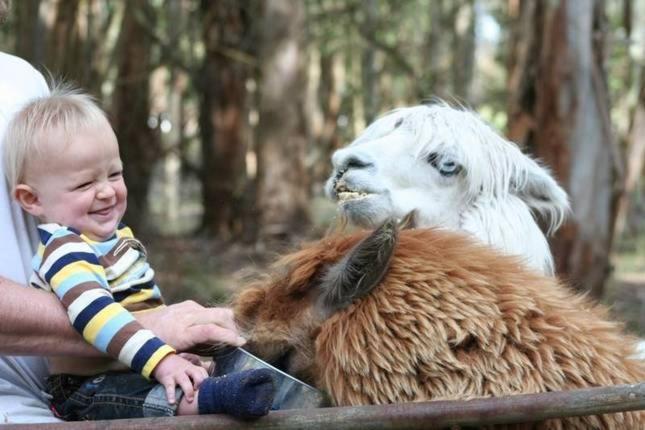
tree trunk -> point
(64, 52)
(94, 52)
(634, 156)
(29, 31)
(226, 29)
(283, 182)
(463, 48)
(368, 67)
(139, 145)
(332, 75)
(563, 107)
(522, 68)
(434, 55)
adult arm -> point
(35, 323)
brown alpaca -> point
(431, 315)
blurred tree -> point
(227, 35)
(634, 139)
(435, 56)
(140, 146)
(63, 36)
(283, 181)
(327, 87)
(98, 20)
(634, 156)
(64, 47)
(560, 112)
(29, 31)
(205, 60)
(328, 139)
(368, 66)
(463, 48)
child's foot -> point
(246, 394)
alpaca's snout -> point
(350, 158)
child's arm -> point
(32, 322)
(70, 266)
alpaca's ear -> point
(409, 220)
(362, 269)
(542, 194)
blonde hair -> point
(66, 110)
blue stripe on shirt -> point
(122, 295)
(145, 352)
(86, 315)
(70, 258)
(105, 247)
(78, 279)
(44, 235)
(107, 332)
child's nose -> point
(105, 191)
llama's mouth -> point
(345, 194)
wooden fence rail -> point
(420, 415)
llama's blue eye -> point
(449, 166)
(443, 164)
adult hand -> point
(187, 324)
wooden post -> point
(421, 415)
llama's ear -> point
(537, 188)
(362, 269)
(409, 220)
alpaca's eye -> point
(443, 164)
(398, 123)
(449, 167)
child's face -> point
(80, 183)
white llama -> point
(456, 172)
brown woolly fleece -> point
(451, 320)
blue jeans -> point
(107, 396)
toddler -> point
(63, 166)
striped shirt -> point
(99, 284)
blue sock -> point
(245, 394)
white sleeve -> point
(19, 83)
(22, 399)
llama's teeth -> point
(345, 196)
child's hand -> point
(174, 370)
(196, 360)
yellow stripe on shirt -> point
(99, 320)
(155, 359)
(71, 269)
(138, 297)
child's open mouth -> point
(103, 212)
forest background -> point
(227, 112)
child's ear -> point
(28, 199)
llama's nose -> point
(349, 158)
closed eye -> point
(83, 186)
(116, 175)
